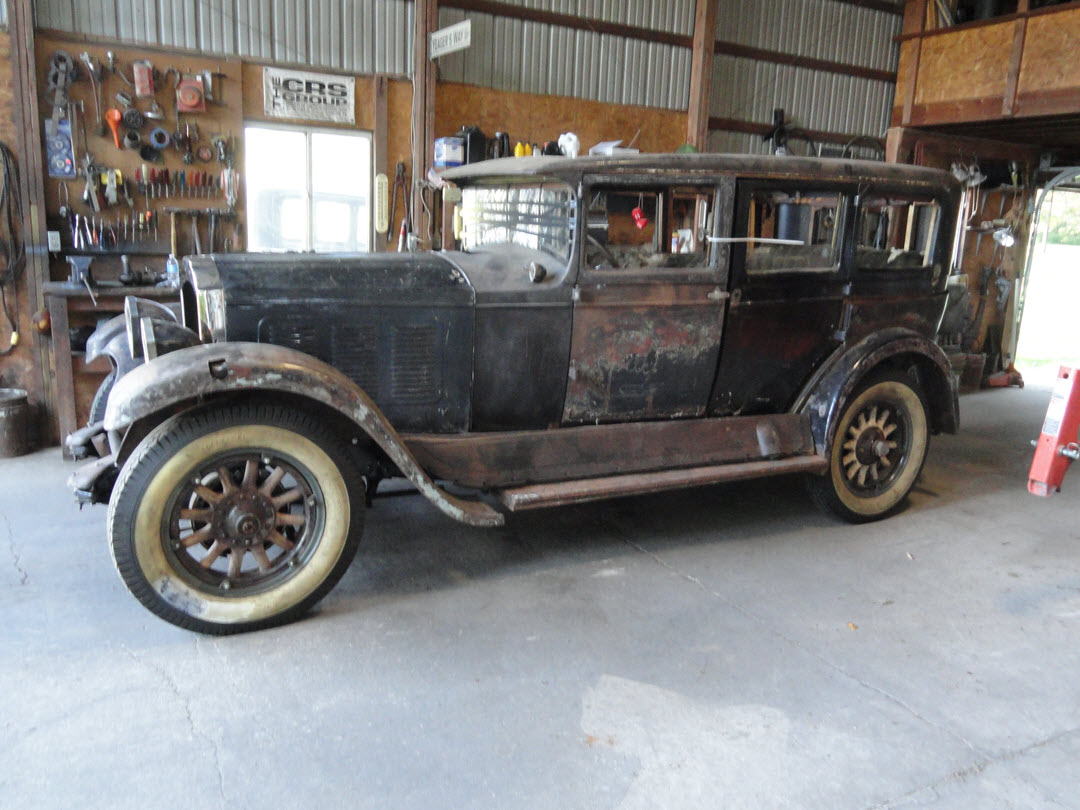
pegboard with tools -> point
(142, 151)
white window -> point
(308, 189)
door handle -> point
(717, 295)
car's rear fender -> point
(198, 375)
(823, 396)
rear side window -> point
(792, 231)
(896, 233)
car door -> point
(788, 285)
(649, 301)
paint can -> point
(14, 423)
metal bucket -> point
(14, 423)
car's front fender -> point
(200, 373)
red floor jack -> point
(1057, 445)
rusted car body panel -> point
(824, 394)
(495, 460)
(564, 493)
(643, 351)
(199, 373)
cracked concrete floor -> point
(723, 647)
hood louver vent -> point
(354, 352)
(414, 377)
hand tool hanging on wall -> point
(173, 212)
(96, 74)
(400, 181)
(230, 186)
(61, 74)
(196, 240)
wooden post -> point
(31, 188)
(423, 105)
(1012, 79)
(378, 146)
(914, 22)
(701, 68)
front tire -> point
(877, 452)
(235, 519)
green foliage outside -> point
(1064, 222)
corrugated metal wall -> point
(749, 90)
(352, 36)
(369, 36)
(817, 29)
(547, 59)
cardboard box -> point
(449, 152)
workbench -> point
(71, 305)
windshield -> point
(535, 215)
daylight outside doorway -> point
(1050, 330)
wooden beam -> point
(912, 85)
(573, 21)
(378, 144)
(914, 24)
(824, 65)
(755, 128)
(877, 5)
(423, 107)
(701, 69)
(27, 121)
(913, 143)
(1012, 78)
(914, 18)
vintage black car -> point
(609, 326)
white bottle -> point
(172, 271)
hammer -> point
(195, 230)
(216, 214)
(172, 211)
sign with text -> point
(455, 37)
(309, 96)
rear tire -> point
(235, 519)
(878, 450)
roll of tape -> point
(159, 137)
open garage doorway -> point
(1049, 334)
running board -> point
(595, 489)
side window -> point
(792, 231)
(650, 227)
(895, 233)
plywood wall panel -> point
(1050, 53)
(968, 64)
(542, 118)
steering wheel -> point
(593, 243)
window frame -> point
(745, 192)
(716, 264)
(309, 194)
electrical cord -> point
(12, 253)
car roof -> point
(661, 165)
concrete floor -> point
(723, 647)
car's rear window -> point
(896, 233)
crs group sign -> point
(309, 96)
